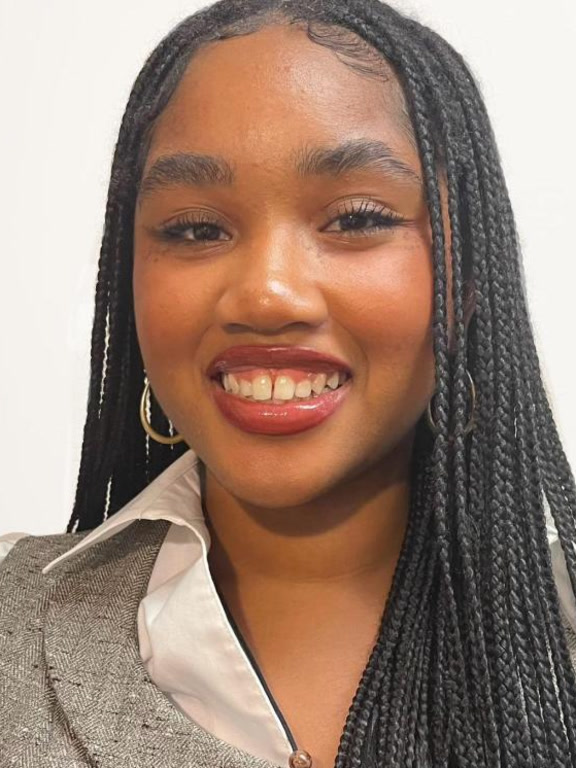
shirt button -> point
(300, 759)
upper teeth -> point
(260, 387)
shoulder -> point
(563, 584)
(7, 541)
(35, 550)
(23, 586)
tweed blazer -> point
(74, 691)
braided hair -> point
(471, 667)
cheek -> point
(171, 311)
(389, 303)
(388, 311)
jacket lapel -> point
(94, 667)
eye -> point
(355, 216)
(202, 227)
(192, 228)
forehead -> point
(258, 97)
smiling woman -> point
(319, 460)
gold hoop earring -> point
(471, 423)
(172, 440)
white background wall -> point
(66, 69)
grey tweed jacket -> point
(74, 691)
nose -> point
(275, 283)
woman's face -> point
(272, 257)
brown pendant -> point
(300, 759)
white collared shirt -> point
(188, 645)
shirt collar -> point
(174, 495)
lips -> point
(288, 356)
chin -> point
(271, 489)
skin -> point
(306, 529)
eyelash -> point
(386, 219)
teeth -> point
(303, 388)
(260, 388)
(318, 383)
(284, 388)
(245, 388)
(231, 383)
(333, 380)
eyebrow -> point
(193, 169)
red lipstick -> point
(277, 418)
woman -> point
(328, 545)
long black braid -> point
(471, 667)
